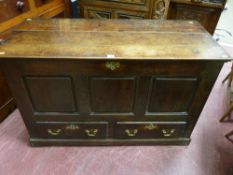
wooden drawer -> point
(12, 8)
(131, 130)
(85, 130)
(39, 3)
(97, 13)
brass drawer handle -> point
(168, 132)
(72, 127)
(112, 65)
(54, 132)
(131, 132)
(151, 126)
(91, 132)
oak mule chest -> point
(103, 82)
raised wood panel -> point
(112, 94)
(171, 95)
(207, 16)
(51, 94)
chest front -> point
(116, 85)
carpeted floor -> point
(224, 28)
(209, 153)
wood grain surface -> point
(96, 39)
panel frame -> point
(74, 100)
(172, 78)
(135, 86)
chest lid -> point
(111, 39)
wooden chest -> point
(102, 82)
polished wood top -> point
(111, 39)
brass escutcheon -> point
(168, 132)
(91, 132)
(54, 132)
(112, 65)
(151, 126)
(72, 127)
(131, 132)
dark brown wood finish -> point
(132, 130)
(207, 15)
(80, 84)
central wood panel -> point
(112, 94)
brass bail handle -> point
(91, 132)
(131, 132)
(168, 132)
(54, 132)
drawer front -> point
(97, 13)
(132, 130)
(84, 130)
(42, 2)
(130, 15)
(12, 8)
